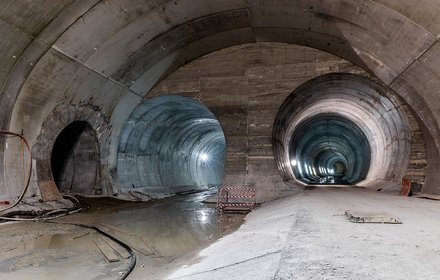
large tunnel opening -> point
(170, 144)
(75, 159)
(342, 129)
(329, 149)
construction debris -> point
(106, 250)
(371, 217)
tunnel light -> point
(203, 216)
(293, 162)
(204, 157)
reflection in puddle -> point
(163, 233)
(173, 226)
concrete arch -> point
(372, 109)
(118, 50)
(62, 117)
(170, 144)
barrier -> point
(238, 199)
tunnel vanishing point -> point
(147, 98)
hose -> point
(132, 263)
(73, 199)
(28, 179)
(44, 217)
(47, 218)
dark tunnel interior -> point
(75, 158)
(329, 149)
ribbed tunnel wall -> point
(329, 149)
(100, 58)
(170, 144)
(366, 106)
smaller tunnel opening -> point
(75, 159)
(170, 144)
(329, 149)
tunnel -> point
(342, 129)
(315, 106)
(171, 144)
(74, 159)
(329, 149)
(96, 61)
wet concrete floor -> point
(164, 234)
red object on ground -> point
(406, 187)
(5, 202)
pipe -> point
(26, 186)
(43, 218)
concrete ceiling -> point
(103, 57)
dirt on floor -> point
(307, 236)
(162, 234)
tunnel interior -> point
(342, 129)
(288, 120)
(75, 159)
(170, 144)
(329, 149)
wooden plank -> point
(118, 248)
(150, 246)
(81, 235)
(106, 250)
(133, 241)
(237, 209)
(137, 244)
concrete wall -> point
(107, 55)
(245, 86)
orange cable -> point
(28, 179)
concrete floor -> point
(305, 236)
(172, 229)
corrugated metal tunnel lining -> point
(368, 134)
(170, 144)
(329, 149)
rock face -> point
(95, 61)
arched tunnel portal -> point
(141, 99)
(96, 61)
(170, 144)
(342, 129)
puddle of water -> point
(48, 251)
(173, 226)
(163, 232)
